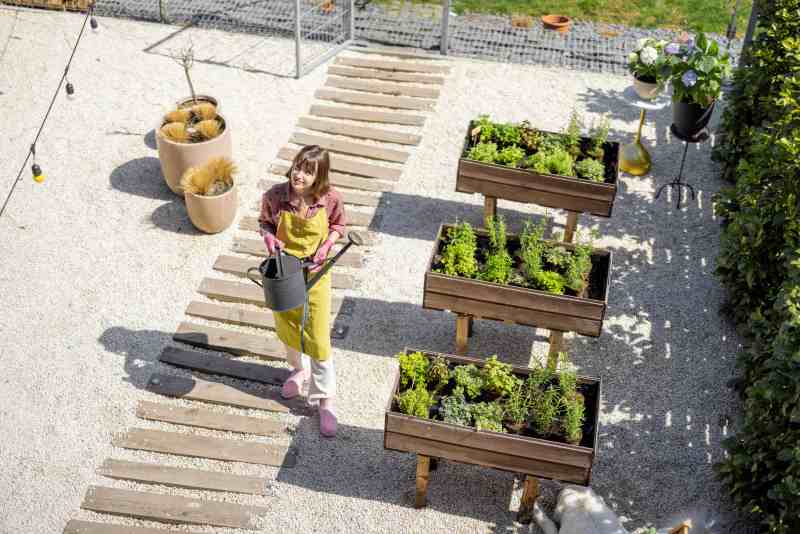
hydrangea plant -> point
(647, 60)
(696, 68)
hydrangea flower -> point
(689, 78)
(648, 55)
(641, 43)
(673, 48)
(633, 57)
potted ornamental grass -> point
(697, 69)
(646, 63)
(211, 195)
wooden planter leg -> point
(529, 494)
(556, 342)
(489, 207)
(683, 528)
(471, 326)
(462, 333)
(572, 224)
(423, 473)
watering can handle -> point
(253, 279)
(279, 253)
(327, 265)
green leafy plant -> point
(416, 401)
(510, 156)
(497, 267)
(591, 169)
(508, 134)
(413, 369)
(532, 247)
(469, 381)
(517, 407)
(488, 416)
(438, 373)
(574, 416)
(579, 266)
(485, 152)
(530, 136)
(646, 61)
(544, 410)
(483, 129)
(572, 134)
(498, 378)
(458, 255)
(557, 256)
(455, 410)
(549, 281)
(599, 137)
(696, 69)
(556, 160)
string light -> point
(93, 23)
(36, 169)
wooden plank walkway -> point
(202, 418)
(351, 166)
(354, 130)
(217, 393)
(390, 65)
(91, 527)
(225, 366)
(333, 144)
(389, 88)
(209, 337)
(374, 100)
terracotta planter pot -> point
(646, 88)
(175, 157)
(212, 214)
(690, 118)
(559, 23)
(200, 98)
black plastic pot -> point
(690, 118)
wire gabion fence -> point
(325, 26)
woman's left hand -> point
(322, 254)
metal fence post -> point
(748, 36)
(350, 21)
(298, 29)
(445, 27)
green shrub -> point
(413, 369)
(591, 169)
(498, 378)
(458, 255)
(469, 382)
(485, 152)
(510, 156)
(759, 263)
(416, 401)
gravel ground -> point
(99, 263)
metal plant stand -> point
(678, 182)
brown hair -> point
(313, 159)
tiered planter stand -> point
(529, 456)
(470, 298)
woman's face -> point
(302, 179)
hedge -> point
(759, 263)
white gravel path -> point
(99, 262)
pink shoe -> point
(294, 384)
(327, 419)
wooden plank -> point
(182, 477)
(354, 198)
(370, 99)
(202, 418)
(238, 266)
(395, 51)
(220, 365)
(226, 340)
(350, 147)
(91, 527)
(255, 247)
(375, 74)
(362, 132)
(396, 66)
(216, 393)
(231, 450)
(228, 291)
(163, 507)
(339, 179)
(351, 166)
(389, 88)
(231, 315)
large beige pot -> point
(175, 157)
(212, 214)
(189, 101)
(646, 90)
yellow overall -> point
(302, 237)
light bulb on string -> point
(38, 175)
(93, 23)
(70, 91)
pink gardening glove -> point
(272, 243)
(322, 254)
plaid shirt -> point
(279, 198)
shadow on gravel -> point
(150, 140)
(141, 177)
(173, 217)
(356, 465)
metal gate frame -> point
(346, 32)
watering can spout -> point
(353, 238)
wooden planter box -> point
(510, 452)
(71, 5)
(487, 300)
(522, 185)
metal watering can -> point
(283, 276)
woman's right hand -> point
(272, 243)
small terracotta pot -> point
(559, 23)
(212, 214)
(646, 89)
(186, 102)
(175, 157)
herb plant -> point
(591, 169)
(599, 136)
(497, 267)
(510, 156)
(549, 281)
(485, 152)
(508, 134)
(545, 408)
(458, 256)
(488, 416)
(498, 378)
(438, 373)
(469, 381)
(484, 129)
(413, 369)
(518, 404)
(416, 401)
(455, 410)
(572, 134)
(574, 415)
